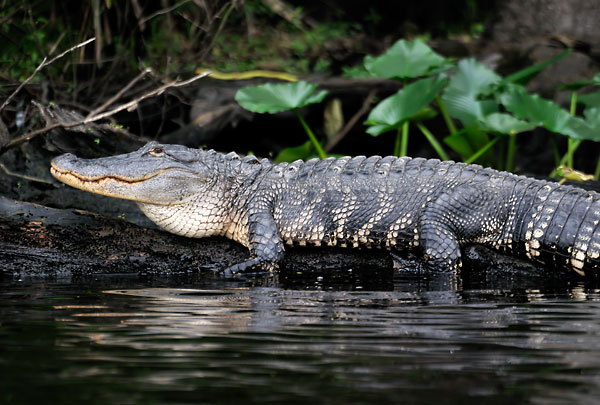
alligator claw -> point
(229, 273)
(252, 267)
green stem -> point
(404, 146)
(447, 118)
(573, 103)
(597, 172)
(434, 143)
(481, 151)
(556, 151)
(573, 144)
(572, 147)
(567, 159)
(401, 143)
(311, 136)
(510, 155)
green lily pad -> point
(535, 109)
(277, 97)
(406, 104)
(405, 60)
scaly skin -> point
(424, 207)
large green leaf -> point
(277, 97)
(535, 109)
(462, 96)
(407, 103)
(405, 60)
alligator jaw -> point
(101, 184)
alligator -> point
(421, 207)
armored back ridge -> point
(427, 207)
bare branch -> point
(42, 65)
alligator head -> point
(155, 174)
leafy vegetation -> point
(483, 111)
(489, 109)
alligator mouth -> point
(110, 186)
(72, 179)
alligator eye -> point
(158, 151)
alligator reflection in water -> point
(120, 341)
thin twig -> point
(57, 42)
(24, 176)
(119, 93)
(84, 43)
(350, 124)
(144, 20)
(42, 65)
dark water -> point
(127, 339)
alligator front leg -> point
(266, 247)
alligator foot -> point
(408, 265)
(254, 266)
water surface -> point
(405, 339)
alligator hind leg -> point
(266, 247)
(465, 214)
(440, 246)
